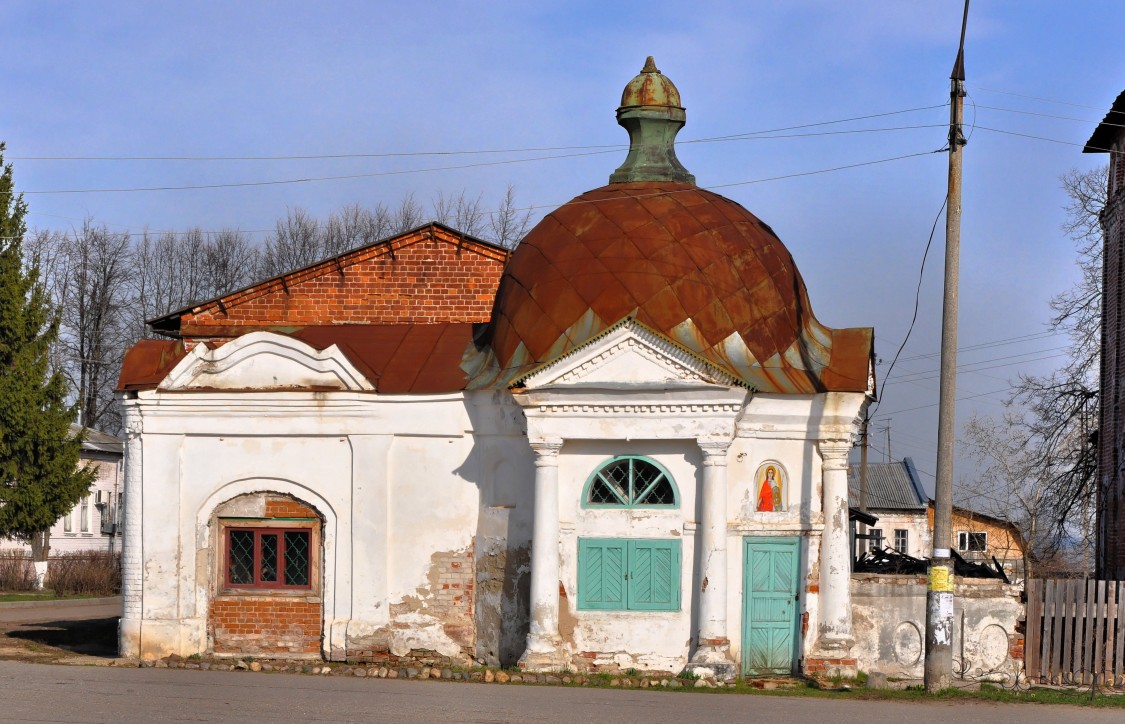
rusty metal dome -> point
(692, 266)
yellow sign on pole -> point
(941, 579)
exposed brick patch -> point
(829, 666)
(266, 625)
(279, 507)
(1015, 646)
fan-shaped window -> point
(630, 482)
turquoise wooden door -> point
(769, 606)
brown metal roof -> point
(689, 264)
(395, 358)
(1112, 126)
(148, 362)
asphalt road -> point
(78, 609)
(39, 693)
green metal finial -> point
(651, 112)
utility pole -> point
(939, 597)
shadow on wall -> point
(502, 467)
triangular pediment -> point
(265, 361)
(628, 354)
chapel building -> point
(622, 445)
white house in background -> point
(895, 496)
(94, 524)
(622, 445)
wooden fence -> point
(1075, 629)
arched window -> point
(628, 481)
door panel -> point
(769, 609)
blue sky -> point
(123, 79)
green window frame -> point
(630, 481)
(622, 574)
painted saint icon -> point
(771, 487)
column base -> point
(831, 657)
(543, 655)
(713, 657)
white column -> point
(835, 555)
(712, 642)
(129, 629)
(543, 641)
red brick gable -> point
(429, 275)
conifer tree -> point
(39, 475)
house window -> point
(630, 482)
(84, 515)
(628, 575)
(268, 557)
(876, 540)
(972, 542)
(902, 540)
(68, 522)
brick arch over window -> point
(630, 481)
(269, 577)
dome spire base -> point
(651, 112)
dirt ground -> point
(79, 634)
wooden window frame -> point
(270, 527)
(904, 534)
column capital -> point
(834, 454)
(714, 451)
(547, 452)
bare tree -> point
(461, 212)
(509, 224)
(88, 281)
(296, 242)
(1052, 419)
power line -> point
(928, 374)
(959, 399)
(1049, 115)
(917, 301)
(534, 207)
(1049, 140)
(1041, 98)
(535, 149)
(1030, 337)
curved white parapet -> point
(265, 361)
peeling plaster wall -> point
(400, 482)
(647, 640)
(889, 618)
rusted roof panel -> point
(396, 358)
(686, 262)
(148, 362)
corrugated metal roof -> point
(395, 358)
(685, 262)
(98, 441)
(890, 486)
(1109, 129)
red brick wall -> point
(1110, 528)
(277, 625)
(426, 277)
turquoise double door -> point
(769, 607)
